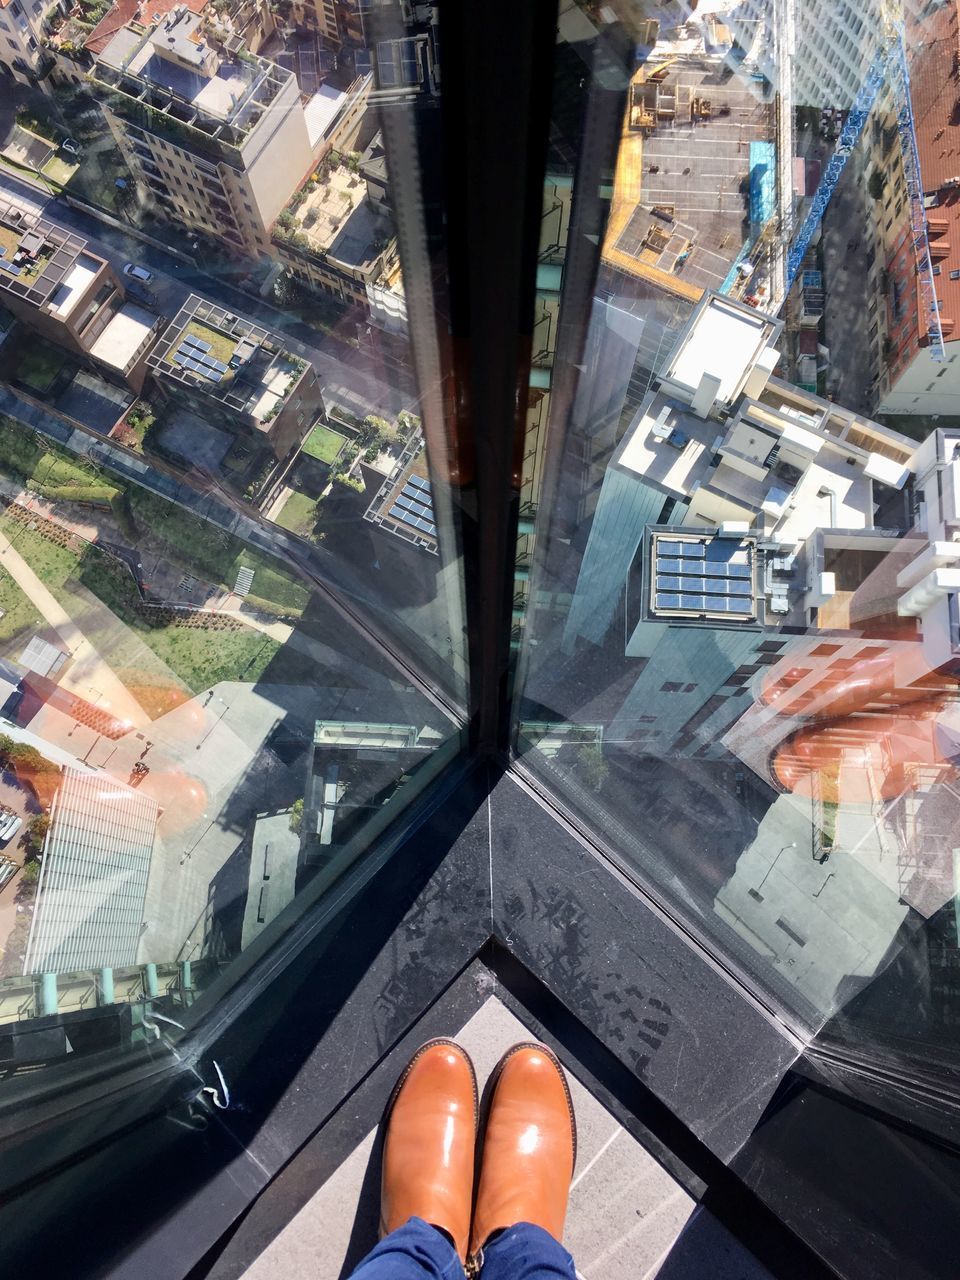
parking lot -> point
(702, 170)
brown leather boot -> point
(529, 1146)
(430, 1142)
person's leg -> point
(529, 1151)
(415, 1251)
(525, 1252)
(426, 1184)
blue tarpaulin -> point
(763, 182)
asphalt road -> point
(355, 379)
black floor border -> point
(495, 971)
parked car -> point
(138, 273)
(10, 824)
(72, 148)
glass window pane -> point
(737, 574)
(231, 637)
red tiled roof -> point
(935, 96)
(125, 11)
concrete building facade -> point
(215, 136)
(23, 26)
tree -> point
(37, 829)
(876, 184)
(296, 815)
(27, 884)
(593, 767)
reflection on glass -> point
(742, 659)
(225, 550)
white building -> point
(835, 41)
(718, 440)
(96, 861)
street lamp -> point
(791, 845)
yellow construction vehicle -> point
(660, 73)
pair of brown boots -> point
(431, 1142)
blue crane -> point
(889, 66)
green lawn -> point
(198, 658)
(194, 543)
(324, 444)
(19, 615)
(51, 471)
(298, 514)
(59, 170)
(217, 556)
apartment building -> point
(216, 136)
(23, 25)
(236, 375)
(337, 235)
(339, 21)
(835, 41)
(719, 440)
(912, 381)
(51, 280)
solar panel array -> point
(688, 578)
(193, 354)
(413, 506)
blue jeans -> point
(417, 1251)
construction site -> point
(687, 187)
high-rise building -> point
(216, 136)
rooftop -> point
(101, 832)
(174, 68)
(124, 335)
(124, 11)
(403, 504)
(336, 220)
(69, 293)
(38, 259)
(933, 95)
(725, 341)
(211, 350)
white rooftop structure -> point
(96, 860)
(124, 336)
(71, 289)
(723, 342)
(43, 658)
(322, 110)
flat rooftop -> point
(172, 68)
(36, 255)
(336, 220)
(724, 340)
(124, 335)
(68, 294)
(209, 349)
(677, 464)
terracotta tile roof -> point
(935, 95)
(125, 11)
